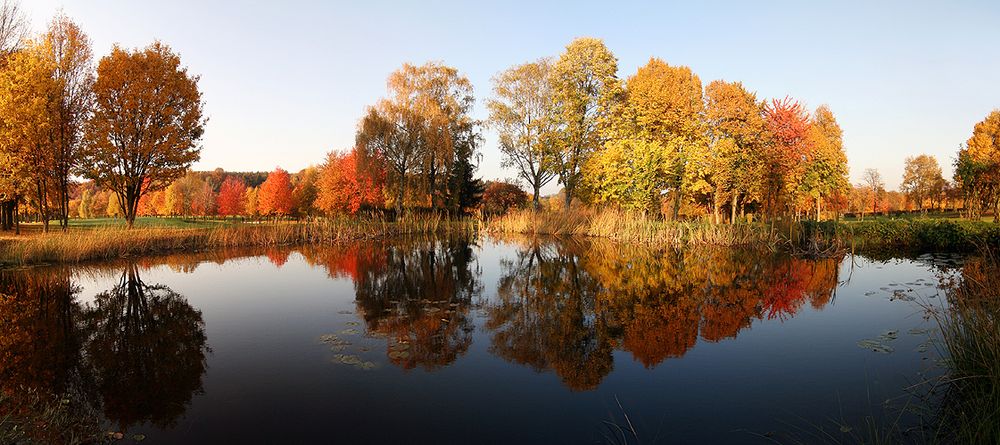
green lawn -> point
(956, 216)
(145, 221)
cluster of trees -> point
(923, 187)
(215, 193)
(131, 124)
(657, 141)
(977, 168)
(660, 141)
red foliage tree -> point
(231, 193)
(275, 197)
(499, 197)
(343, 188)
(789, 126)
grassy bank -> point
(913, 235)
(631, 227)
(110, 242)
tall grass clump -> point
(921, 234)
(114, 242)
(627, 226)
(970, 331)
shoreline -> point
(810, 238)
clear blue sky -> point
(285, 82)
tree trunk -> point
(818, 208)
(535, 199)
(399, 198)
(732, 210)
(996, 210)
(568, 191)
(677, 204)
(715, 207)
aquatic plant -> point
(970, 330)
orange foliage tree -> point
(275, 195)
(343, 188)
(146, 124)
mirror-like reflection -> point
(415, 293)
(137, 353)
(129, 353)
(147, 348)
(564, 306)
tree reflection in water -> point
(415, 293)
(144, 345)
(147, 350)
(544, 315)
(564, 306)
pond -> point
(452, 340)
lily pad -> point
(349, 331)
(345, 312)
(399, 354)
(876, 346)
(889, 335)
(351, 323)
(347, 359)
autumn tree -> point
(521, 112)
(921, 179)
(653, 135)
(191, 195)
(826, 168)
(304, 191)
(978, 165)
(584, 86)
(875, 185)
(423, 131)
(28, 102)
(788, 150)
(343, 188)
(501, 196)
(737, 130)
(251, 202)
(231, 197)
(275, 195)
(13, 32)
(14, 28)
(146, 125)
(72, 61)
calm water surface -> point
(456, 341)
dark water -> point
(452, 341)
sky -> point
(285, 82)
